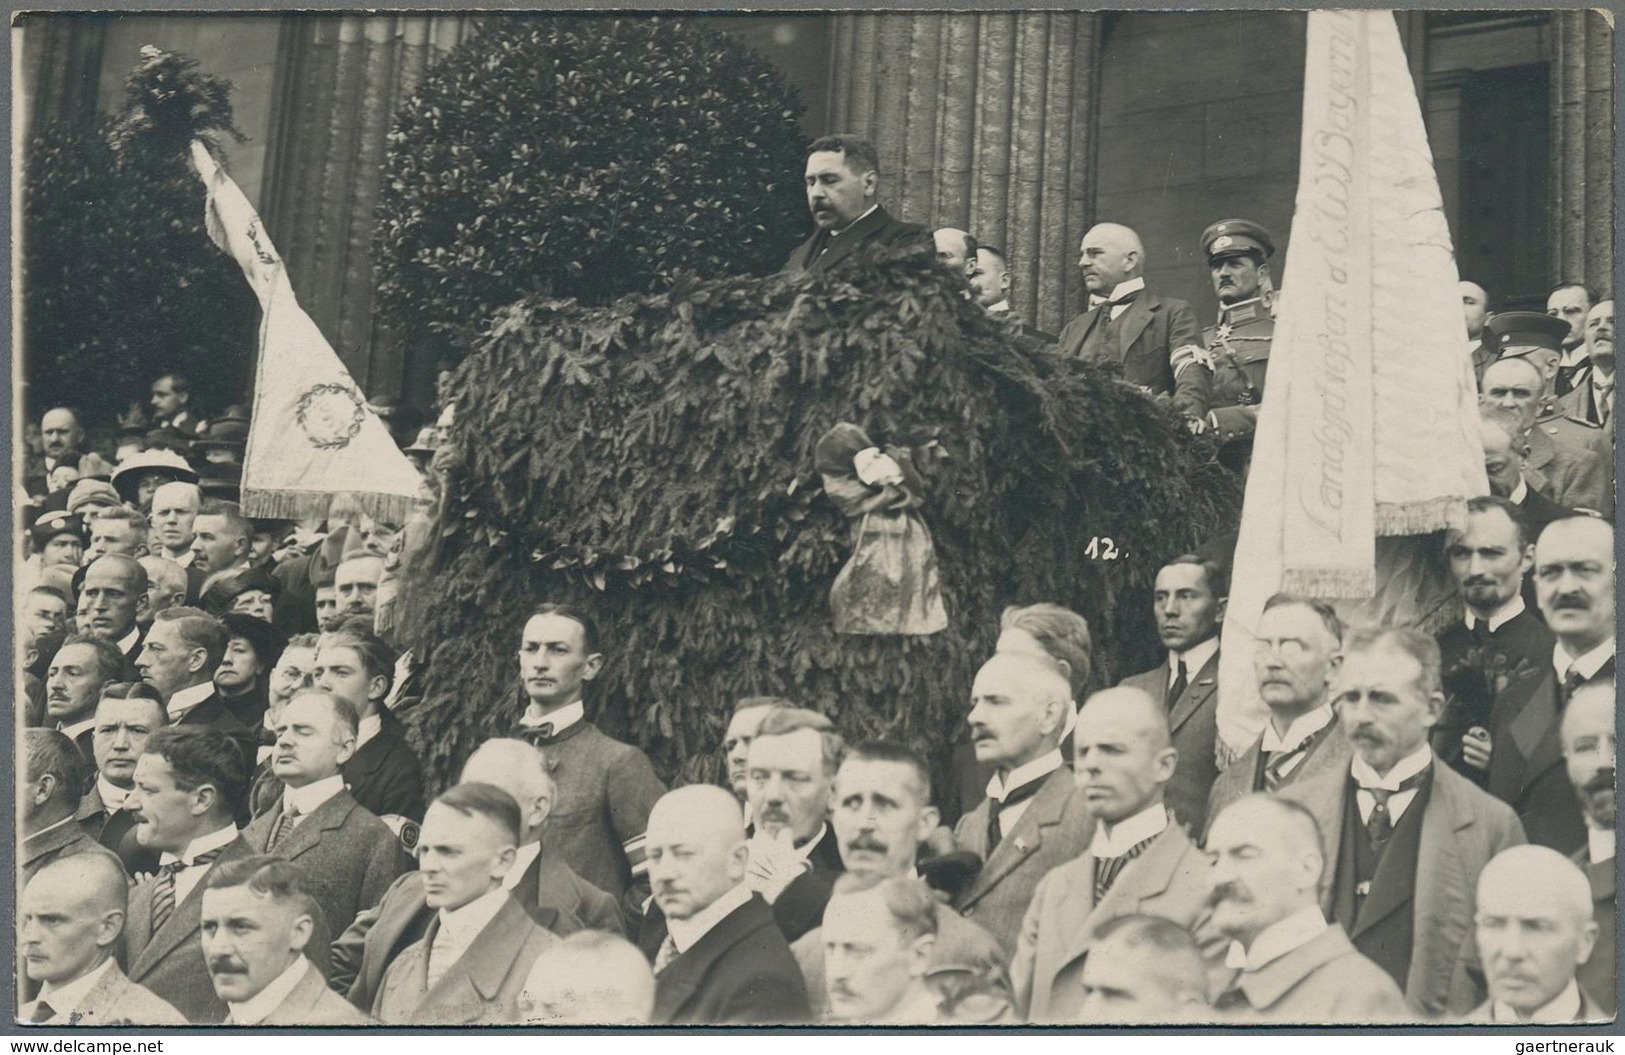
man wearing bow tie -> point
(1405, 838)
(1125, 323)
(605, 789)
(1574, 585)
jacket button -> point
(971, 911)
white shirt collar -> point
(201, 845)
(1302, 728)
(369, 727)
(1564, 1007)
(521, 860)
(1278, 939)
(67, 997)
(854, 223)
(72, 731)
(685, 932)
(1599, 382)
(183, 558)
(1115, 840)
(1195, 658)
(465, 923)
(255, 1009)
(1127, 286)
(998, 309)
(562, 719)
(1022, 775)
(312, 795)
(1520, 492)
(1501, 616)
(1403, 770)
(113, 796)
(1600, 844)
(185, 699)
(128, 641)
(1588, 664)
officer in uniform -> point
(1219, 390)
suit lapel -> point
(184, 922)
(1440, 886)
(1134, 322)
(1200, 690)
(483, 965)
(1027, 836)
(37, 846)
(844, 244)
(1541, 450)
(682, 977)
(329, 816)
(1533, 729)
(1141, 879)
(1322, 795)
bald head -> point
(696, 848)
(519, 769)
(1110, 254)
(955, 248)
(166, 584)
(1124, 757)
(70, 917)
(1534, 925)
(1019, 704)
(589, 978)
(97, 881)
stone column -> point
(984, 122)
(1583, 148)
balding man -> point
(1534, 930)
(61, 438)
(718, 956)
(589, 979)
(1404, 836)
(70, 919)
(1287, 964)
(1565, 468)
(1504, 465)
(1574, 585)
(545, 886)
(1475, 306)
(166, 586)
(1145, 971)
(1032, 819)
(1127, 325)
(1588, 755)
(956, 249)
(113, 603)
(54, 780)
(1139, 862)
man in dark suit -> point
(551, 894)
(1405, 837)
(1498, 634)
(718, 956)
(187, 786)
(1126, 324)
(1299, 645)
(843, 182)
(1140, 860)
(1475, 303)
(384, 774)
(1593, 401)
(1535, 929)
(1032, 818)
(179, 657)
(471, 964)
(1574, 576)
(55, 778)
(794, 858)
(73, 684)
(1188, 604)
(348, 856)
(257, 918)
(112, 604)
(126, 716)
(1588, 755)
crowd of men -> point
(224, 820)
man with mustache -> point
(1126, 324)
(747, 718)
(1220, 391)
(718, 955)
(348, 856)
(1498, 634)
(1594, 400)
(843, 185)
(355, 584)
(1287, 963)
(1588, 755)
(188, 783)
(794, 858)
(1405, 837)
(1187, 602)
(73, 683)
(879, 936)
(1534, 929)
(1296, 652)
(1574, 586)
(257, 917)
(1140, 860)
(1032, 818)
(113, 602)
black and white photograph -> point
(959, 520)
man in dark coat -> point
(384, 774)
(719, 958)
(843, 180)
(1588, 754)
(1126, 324)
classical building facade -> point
(1024, 128)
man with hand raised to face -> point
(794, 856)
(604, 788)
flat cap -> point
(1233, 237)
(91, 493)
(1520, 332)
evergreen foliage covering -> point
(120, 280)
(654, 459)
(583, 156)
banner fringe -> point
(1330, 583)
(300, 505)
(1421, 518)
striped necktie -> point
(285, 822)
(1107, 869)
(1379, 825)
(667, 953)
(163, 892)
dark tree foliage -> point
(583, 156)
(120, 280)
(654, 459)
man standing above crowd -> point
(794, 859)
(1140, 860)
(1221, 391)
(1569, 303)
(1187, 603)
(62, 438)
(384, 774)
(1588, 754)
(172, 406)
(843, 184)
(1295, 656)
(1126, 324)
(605, 788)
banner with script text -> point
(1367, 444)
(312, 435)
